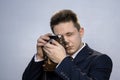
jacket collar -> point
(85, 52)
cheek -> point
(75, 40)
(77, 43)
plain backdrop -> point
(23, 21)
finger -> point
(48, 52)
(48, 34)
(49, 45)
(40, 44)
(41, 41)
(44, 38)
(54, 42)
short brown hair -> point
(64, 16)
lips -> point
(68, 48)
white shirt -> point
(74, 55)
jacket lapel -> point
(83, 54)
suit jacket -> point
(87, 65)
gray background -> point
(23, 21)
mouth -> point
(68, 48)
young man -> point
(75, 61)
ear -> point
(81, 31)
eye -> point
(69, 34)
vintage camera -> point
(49, 65)
(58, 38)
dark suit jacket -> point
(87, 65)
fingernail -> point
(50, 41)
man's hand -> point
(55, 51)
(42, 40)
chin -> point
(70, 52)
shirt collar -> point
(74, 55)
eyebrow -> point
(70, 32)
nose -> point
(66, 40)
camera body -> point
(59, 38)
(49, 65)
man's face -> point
(71, 34)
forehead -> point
(64, 27)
